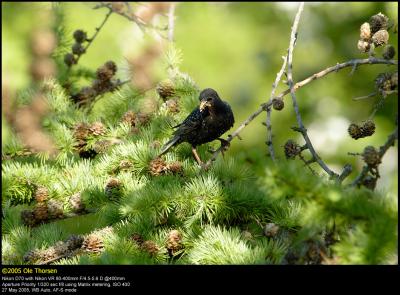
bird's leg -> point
(224, 146)
(196, 156)
(224, 143)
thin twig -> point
(382, 150)
(90, 41)
(130, 16)
(53, 259)
(386, 93)
(262, 108)
(117, 85)
(301, 128)
(390, 142)
(307, 164)
(365, 96)
(353, 69)
(361, 176)
(347, 169)
(336, 68)
(380, 103)
(268, 119)
(265, 106)
(171, 21)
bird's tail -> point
(168, 145)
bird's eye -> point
(209, 99)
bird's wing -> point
(229, 114)
(191, 123)
(194, 117)
(186, 129)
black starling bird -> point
(206, 123)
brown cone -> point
(175, 167)
(97, 128)
(81, 131)
(28, 218)
(371, 156)
(150, 247)
(93, 243)
(174, 242)
(55, 209)
(41, 213)
(378, 21)
(74, 242)
(380, 38)
(292, 149)
(41, 194)
(32, 256)
(172, 106)
(76, 203)
(368, 128)
(129, 117)
(165, 89)
(137, 238)
(157, 167)
(113, 188)
(355, 131)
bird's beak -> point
(203, 104)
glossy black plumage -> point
(206, 123)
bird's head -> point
(208, 99)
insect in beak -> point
(205, 103)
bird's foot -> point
(224, 145)
(204, 166)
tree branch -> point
(95, 99)
(306, 163)
(130, 16)
(54, 259)
(301, 128)
(262, 108)
(171, 21)
(336, 68)
(316, 76)
(390, 142)
(365, 96)
(382, 150)
(90, 41)
(347, 169)
(268, 119)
